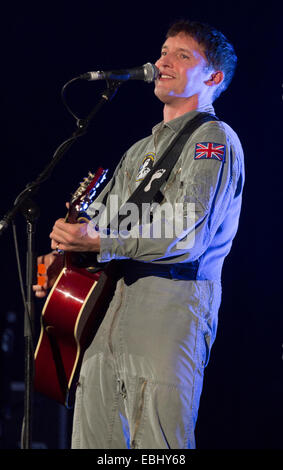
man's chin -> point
(162, 95)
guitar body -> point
(70, 318)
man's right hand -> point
(53, 263)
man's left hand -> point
(74, 237)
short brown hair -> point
(219, 51)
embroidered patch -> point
(146, 166)
(155, 176)
(210, 150)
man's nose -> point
(164, 61)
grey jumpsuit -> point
(142, 376)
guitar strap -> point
(148, 189)
(145, 192)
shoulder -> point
(138, 148)
(139, 144)
(219, 132)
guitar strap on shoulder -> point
(147, 190)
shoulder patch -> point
(210, 150)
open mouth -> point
(164, 76)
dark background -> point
(44, 46)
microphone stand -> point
(30, 210)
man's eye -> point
(184, 56)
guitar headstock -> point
(86, 193)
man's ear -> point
(215, 78)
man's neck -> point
(179, 107)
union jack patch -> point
(209, 150)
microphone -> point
(147, 72)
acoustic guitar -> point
(72, 312)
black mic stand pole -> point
(31, 213)
(30, 210)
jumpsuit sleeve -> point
(196, 200)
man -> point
(142, 376)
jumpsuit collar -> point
(176, 124)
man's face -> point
(183, 68)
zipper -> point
(122, 388)
(139, 414)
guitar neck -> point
(72, 215)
